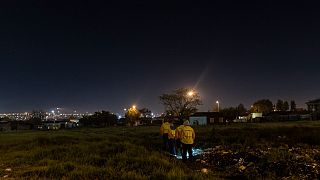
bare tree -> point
(181, 103)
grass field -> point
(108, 153)
(135, 152)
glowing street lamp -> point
(134, 106)
(54, 119)
(190, 93)
(218, 105)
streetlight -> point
(125, 111)
(54, 119)
(58, 109)
(134, 106)
(190, 93)
(218, 106)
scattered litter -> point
(294, 162)
(242, 168)
(204, 170)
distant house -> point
(241, 119)
(53, 124)
(14, 125)
(314, 105)
(254, 117)
(138, 123)
(287, 116)
(205, 118)
(121, 121)
(157, 121)
(128, 122)
(72, 123)
(5, 125)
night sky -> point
(94, 55)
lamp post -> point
(125, 112)
(54, 119)
(218, 105)
(190, 93)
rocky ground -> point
(283, 162)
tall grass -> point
(133, 153)
(110, 153)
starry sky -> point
(109, 55)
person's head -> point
(184, 120)
(186, 123)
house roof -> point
(55, 121)
(205, 114)
(316, 101)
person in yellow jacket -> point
(172, 140)
(164, 132)
(187, 139)
(178, 139)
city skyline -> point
(94, 56)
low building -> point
(157, 121)
(72, 123)
(198, 120)
(205, 118)
(278, 116)
(5, 125)
(314, 105)
(53, 124)
(241, 119)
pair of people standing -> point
(167, 132)
(183, 136)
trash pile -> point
(7, 173)
(264, 162)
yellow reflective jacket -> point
(172, 134)
(165, 128)
(187, 135)
(178, 132)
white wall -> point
(201, 119)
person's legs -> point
(184, 152)
(174, 147)
(178, 148)
(190, 151)
(165, 142)
(171, 146)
